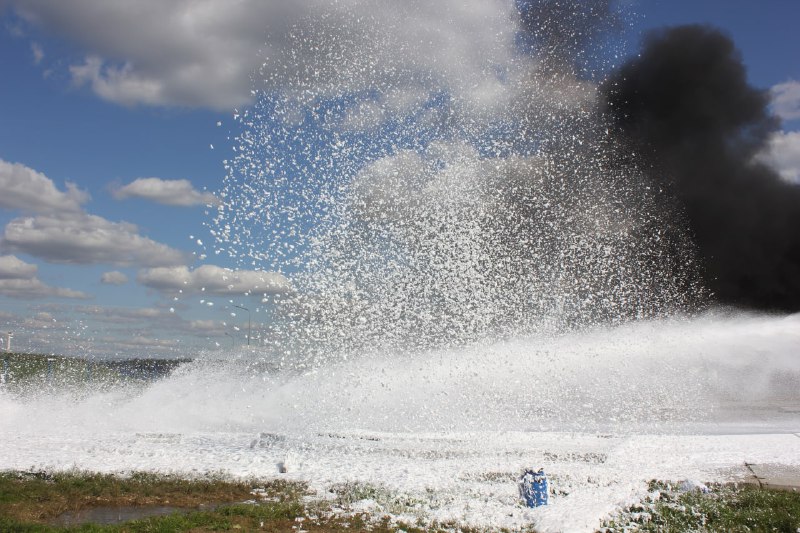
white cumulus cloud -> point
(123, 314)
(212, 279)
(114, 277)
(61, 231)
(786, 100)
(783, 154)
(12, 267)
(18, 280)
(138, 342)
(24, 189)
(35, 288)
(168, 192)
(204, 52)
(38, 53)
(207, 328)
(86, 239)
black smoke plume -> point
(686, 109)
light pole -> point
(248, 321)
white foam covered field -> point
(447, 433)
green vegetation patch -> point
(33, 501)
(31, 372)
(26, 374)
(725, 508)
(41, 497)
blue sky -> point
(764, 32)
(100, 94)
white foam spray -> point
(476, 271)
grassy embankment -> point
(32, 502)
(21, 371)
(725, 508)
